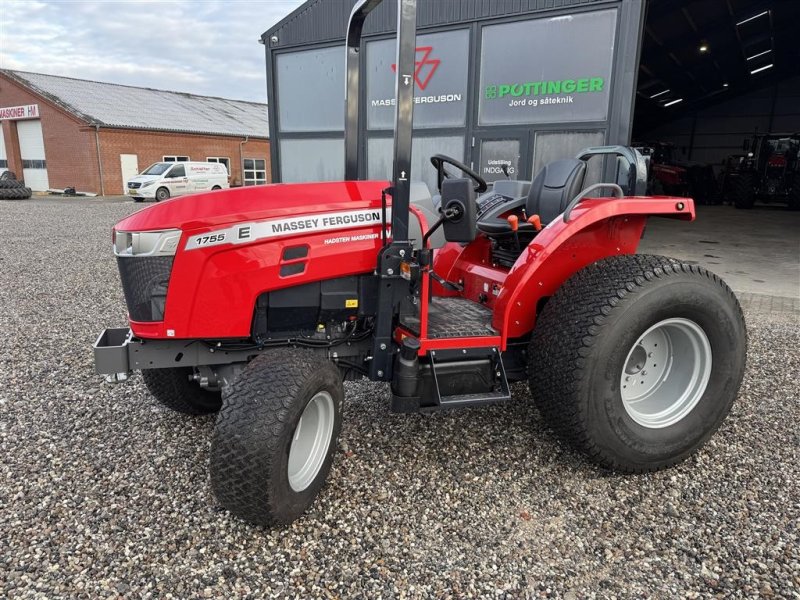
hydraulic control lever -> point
(513, 222)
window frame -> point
(219, 159)
(34, 163)
(176, 158)
(255, 179)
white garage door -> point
(31, 147)
(129, 163)
(3, 157)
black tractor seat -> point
(551, 191)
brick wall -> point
(151, 146)
(71, 148)
(69, 145)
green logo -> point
(543, 88)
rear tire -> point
(15, 193)
(174, 389)
(216, 187)
(267, 463)
(162, 193)
(742, 191)
(603, 326)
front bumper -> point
(148, 192)
(117, 352)
(111, 354)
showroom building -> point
(59, 132)
(496, 83)
(518, 83)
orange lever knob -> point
(536, 221)
(513, 220)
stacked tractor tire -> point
(12, 189)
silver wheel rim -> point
(666, 373)
(310, 441)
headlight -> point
(147, 243)
(147, 184)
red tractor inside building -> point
(257, 303)
(770, 172)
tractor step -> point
(450, 360)
(473, 400)
(450, 379)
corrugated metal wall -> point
(324, 20)
(719, 130)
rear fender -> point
(598, 228)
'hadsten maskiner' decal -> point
(243, 233)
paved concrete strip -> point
(755, 251)
(762, 303)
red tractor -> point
(668, 175)
(257, 303)
(770, 172)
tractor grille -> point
(144, 282)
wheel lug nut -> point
(644, 372)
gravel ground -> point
(104, 494)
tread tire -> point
(254, 431)
(741, 191)
(15, 193)
(159, 196)
(580, 345)
(173, 389)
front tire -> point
(174, 389)
(742, 191)
(276, 435)
(637, 360)
(162, 193)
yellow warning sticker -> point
(352, 303)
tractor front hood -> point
(252, 204)
(194, 267)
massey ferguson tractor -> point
(770, 172)
(257, 303)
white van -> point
(163, 180)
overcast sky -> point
(199, 46)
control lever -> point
(513, 221)
(536, 221)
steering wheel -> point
(439, 160)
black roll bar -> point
(352, 85)
(404, 108)
(636, 180)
